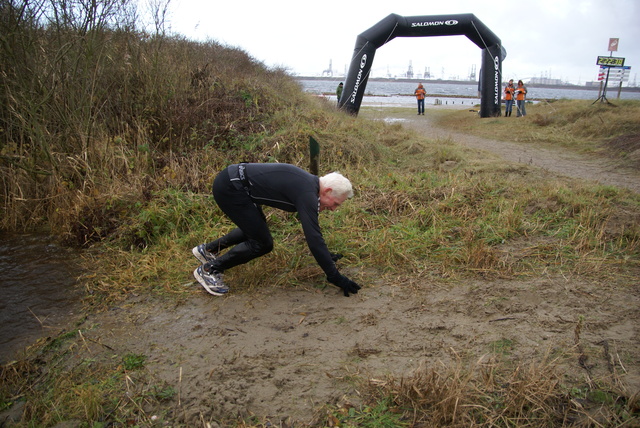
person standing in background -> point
(339, 91)
(521, 94)
(509, 91)
(420, 94)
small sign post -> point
(608, 62)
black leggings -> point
(250, 239)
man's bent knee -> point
(260, 248)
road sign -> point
(616, 74)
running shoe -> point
(202, 254)
(212, 282)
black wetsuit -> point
(241, 189)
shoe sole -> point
(206, 286)
(199, 256)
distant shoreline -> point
(470, 82)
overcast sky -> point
(559, 39)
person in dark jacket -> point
(241, 189)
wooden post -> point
(620, 87)
(600, 90)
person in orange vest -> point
(521, 94)
(509, 90)
(420, 94)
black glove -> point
(336, 256)
(345, 283)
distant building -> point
(545, 81)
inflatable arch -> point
(490, 84)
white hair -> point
(338, 183)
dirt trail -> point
(284, 353)
(559, 161)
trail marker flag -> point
(314, 155)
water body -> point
(38, 290)
(400, 93)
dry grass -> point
(482, 395)
(491, 392)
